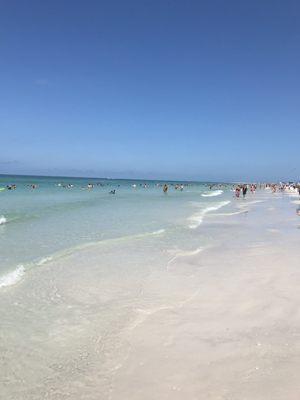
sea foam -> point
(212, 194)
(158, 232)
(3, 220)
(44, 260)
(197, 218)
(12, 277)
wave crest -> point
(212, 194)
(197, 218)
(3, 220)
(12, 277)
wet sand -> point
(221, 322)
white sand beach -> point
(216, 323)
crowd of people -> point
(242, 189)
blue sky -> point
(151, 89)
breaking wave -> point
(212, 194)
(197, 218)
(12, 277)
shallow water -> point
(37, 225)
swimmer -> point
(11, 187)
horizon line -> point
(140, 179)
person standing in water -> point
(245, 188)
(165, 188)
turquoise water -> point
(62, 214)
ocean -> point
(62, 215)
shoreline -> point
(213, 325)
(13, 276)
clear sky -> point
(206, 90)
